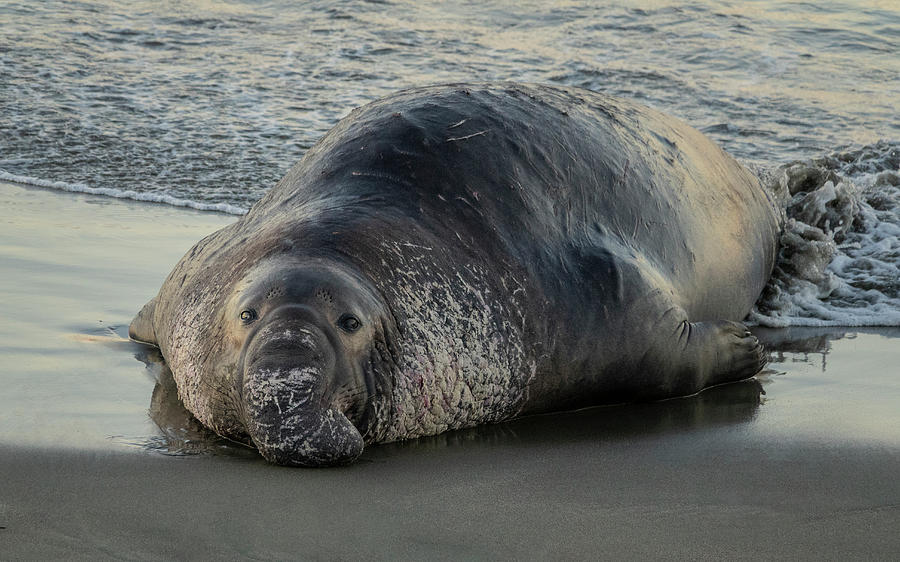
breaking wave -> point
(839, 257)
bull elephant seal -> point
(464, 254)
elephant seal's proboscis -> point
(465, 254)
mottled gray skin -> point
(464, 254)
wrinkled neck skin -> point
(463, 358)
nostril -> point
(293, 339)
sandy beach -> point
(99, 461)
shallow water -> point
(73, 269)
(214, 102)
(208, 104)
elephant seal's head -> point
(310, 340)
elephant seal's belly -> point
(457, 255)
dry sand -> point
(803, 463)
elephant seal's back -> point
(573, 169)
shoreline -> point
(98, 460)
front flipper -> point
(141, 328)
(695, 355)
(722, 351)
(654, 351)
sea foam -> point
(839, 256)
(123, 194)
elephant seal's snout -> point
(286, 387)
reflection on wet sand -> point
(800, 344)
(182, 434)
(797, 345)
(729, 404)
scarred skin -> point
(464, 254)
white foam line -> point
(121, 194)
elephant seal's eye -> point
(248, 316)
(349, 323)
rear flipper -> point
(701, 354)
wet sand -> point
(98, 460)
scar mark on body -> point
(451, 139)
(455, 125)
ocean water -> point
(207, 105)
